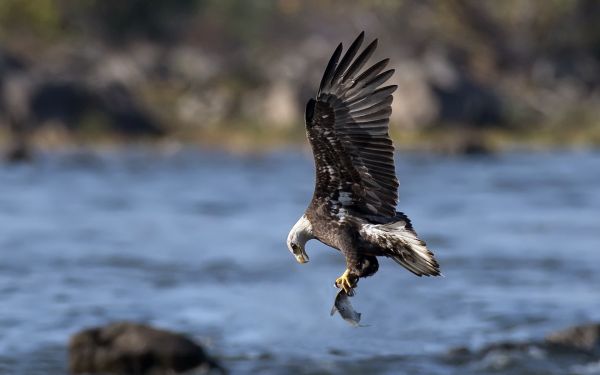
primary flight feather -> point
(353, 208)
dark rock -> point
(468, 102)
(19, 153)
(61, 101)
(506, 346)
(68, 101)
(464, 354)
(476, 147)
(126, 114)
(131, 348)
(30, 99)
(564, 347)
(460, 97)
(9, 62)
(584, 337)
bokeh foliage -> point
(540, 57)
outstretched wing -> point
(347, 126)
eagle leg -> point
(347, 282)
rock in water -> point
(584, 337)
(344, 307)
(131, 348)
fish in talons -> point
(343, 306)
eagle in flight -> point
(353, 208)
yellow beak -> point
(302, 257)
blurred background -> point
(238, 74)
(166, 162)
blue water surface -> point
(194, 241)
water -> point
(195, 242)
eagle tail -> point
(400, 242)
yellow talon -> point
(346, 282)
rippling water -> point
(195, 242)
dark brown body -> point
(344, 236)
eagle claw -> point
(347, 282)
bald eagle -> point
(353, 208)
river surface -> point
(194, 242)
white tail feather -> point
(401, 243)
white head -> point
(301, 232)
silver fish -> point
(344, 307)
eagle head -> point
(300, 234)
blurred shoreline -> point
(472, 76)
(454, 141)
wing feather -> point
(366, 76)
(338, 76)
(328, 74)
(382, 114)
(369, 97)
(347, 126)
(384, 104)
(361, 60)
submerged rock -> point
(131, 348)
(560, 351)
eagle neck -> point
(302, 230)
